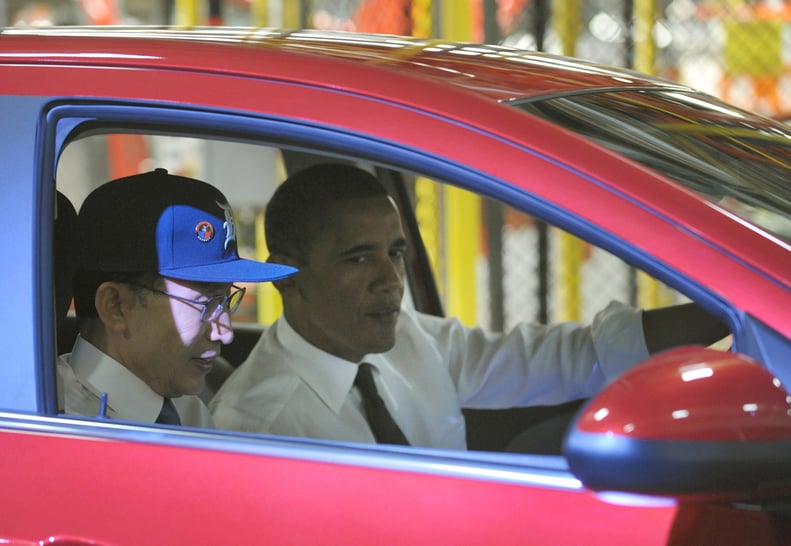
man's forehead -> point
(357, 210)
(372, 218)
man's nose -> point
(221, 329)
(390, 275)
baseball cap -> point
(176, 226)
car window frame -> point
(66, 119)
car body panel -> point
(20, 388)
(248, 498)
(487, 71)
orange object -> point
(101, 12)
(384, 16)
(125, 153)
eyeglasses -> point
(212, 308)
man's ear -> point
(112, 305)
(289, 282)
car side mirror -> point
(688, 421)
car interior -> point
(87, 162)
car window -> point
(486, 263)
(733, 157)
(521, 269)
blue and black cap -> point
(179, 227)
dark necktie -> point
(385, 429)
(168, 415)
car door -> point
(92, 479)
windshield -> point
(737, 159)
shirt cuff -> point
(618, 339)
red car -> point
(691, 447)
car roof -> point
(495, 72)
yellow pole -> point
(462, 208)
(427, 214)
(427, 192)
(421, 18)
(455, 20)
(463, 229)
(186, 13)
(291, 15)
(567, 23)
(645, 12)
(570, 265)
(650, 292)
(259, 13)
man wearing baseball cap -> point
(154, 292)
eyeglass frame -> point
(221, 307)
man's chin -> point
(382, 346)
(195, 386)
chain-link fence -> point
(739, 50)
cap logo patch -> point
(230, 228)
(204, 231)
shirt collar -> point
(128, 396)
(329, 376)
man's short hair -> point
(300, 205)
(86, 283)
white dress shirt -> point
(437, 366)
(86, 373)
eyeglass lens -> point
(215, 306)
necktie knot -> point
(168, 414)
(383, 426)
(365, 379)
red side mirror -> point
(687, 421)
